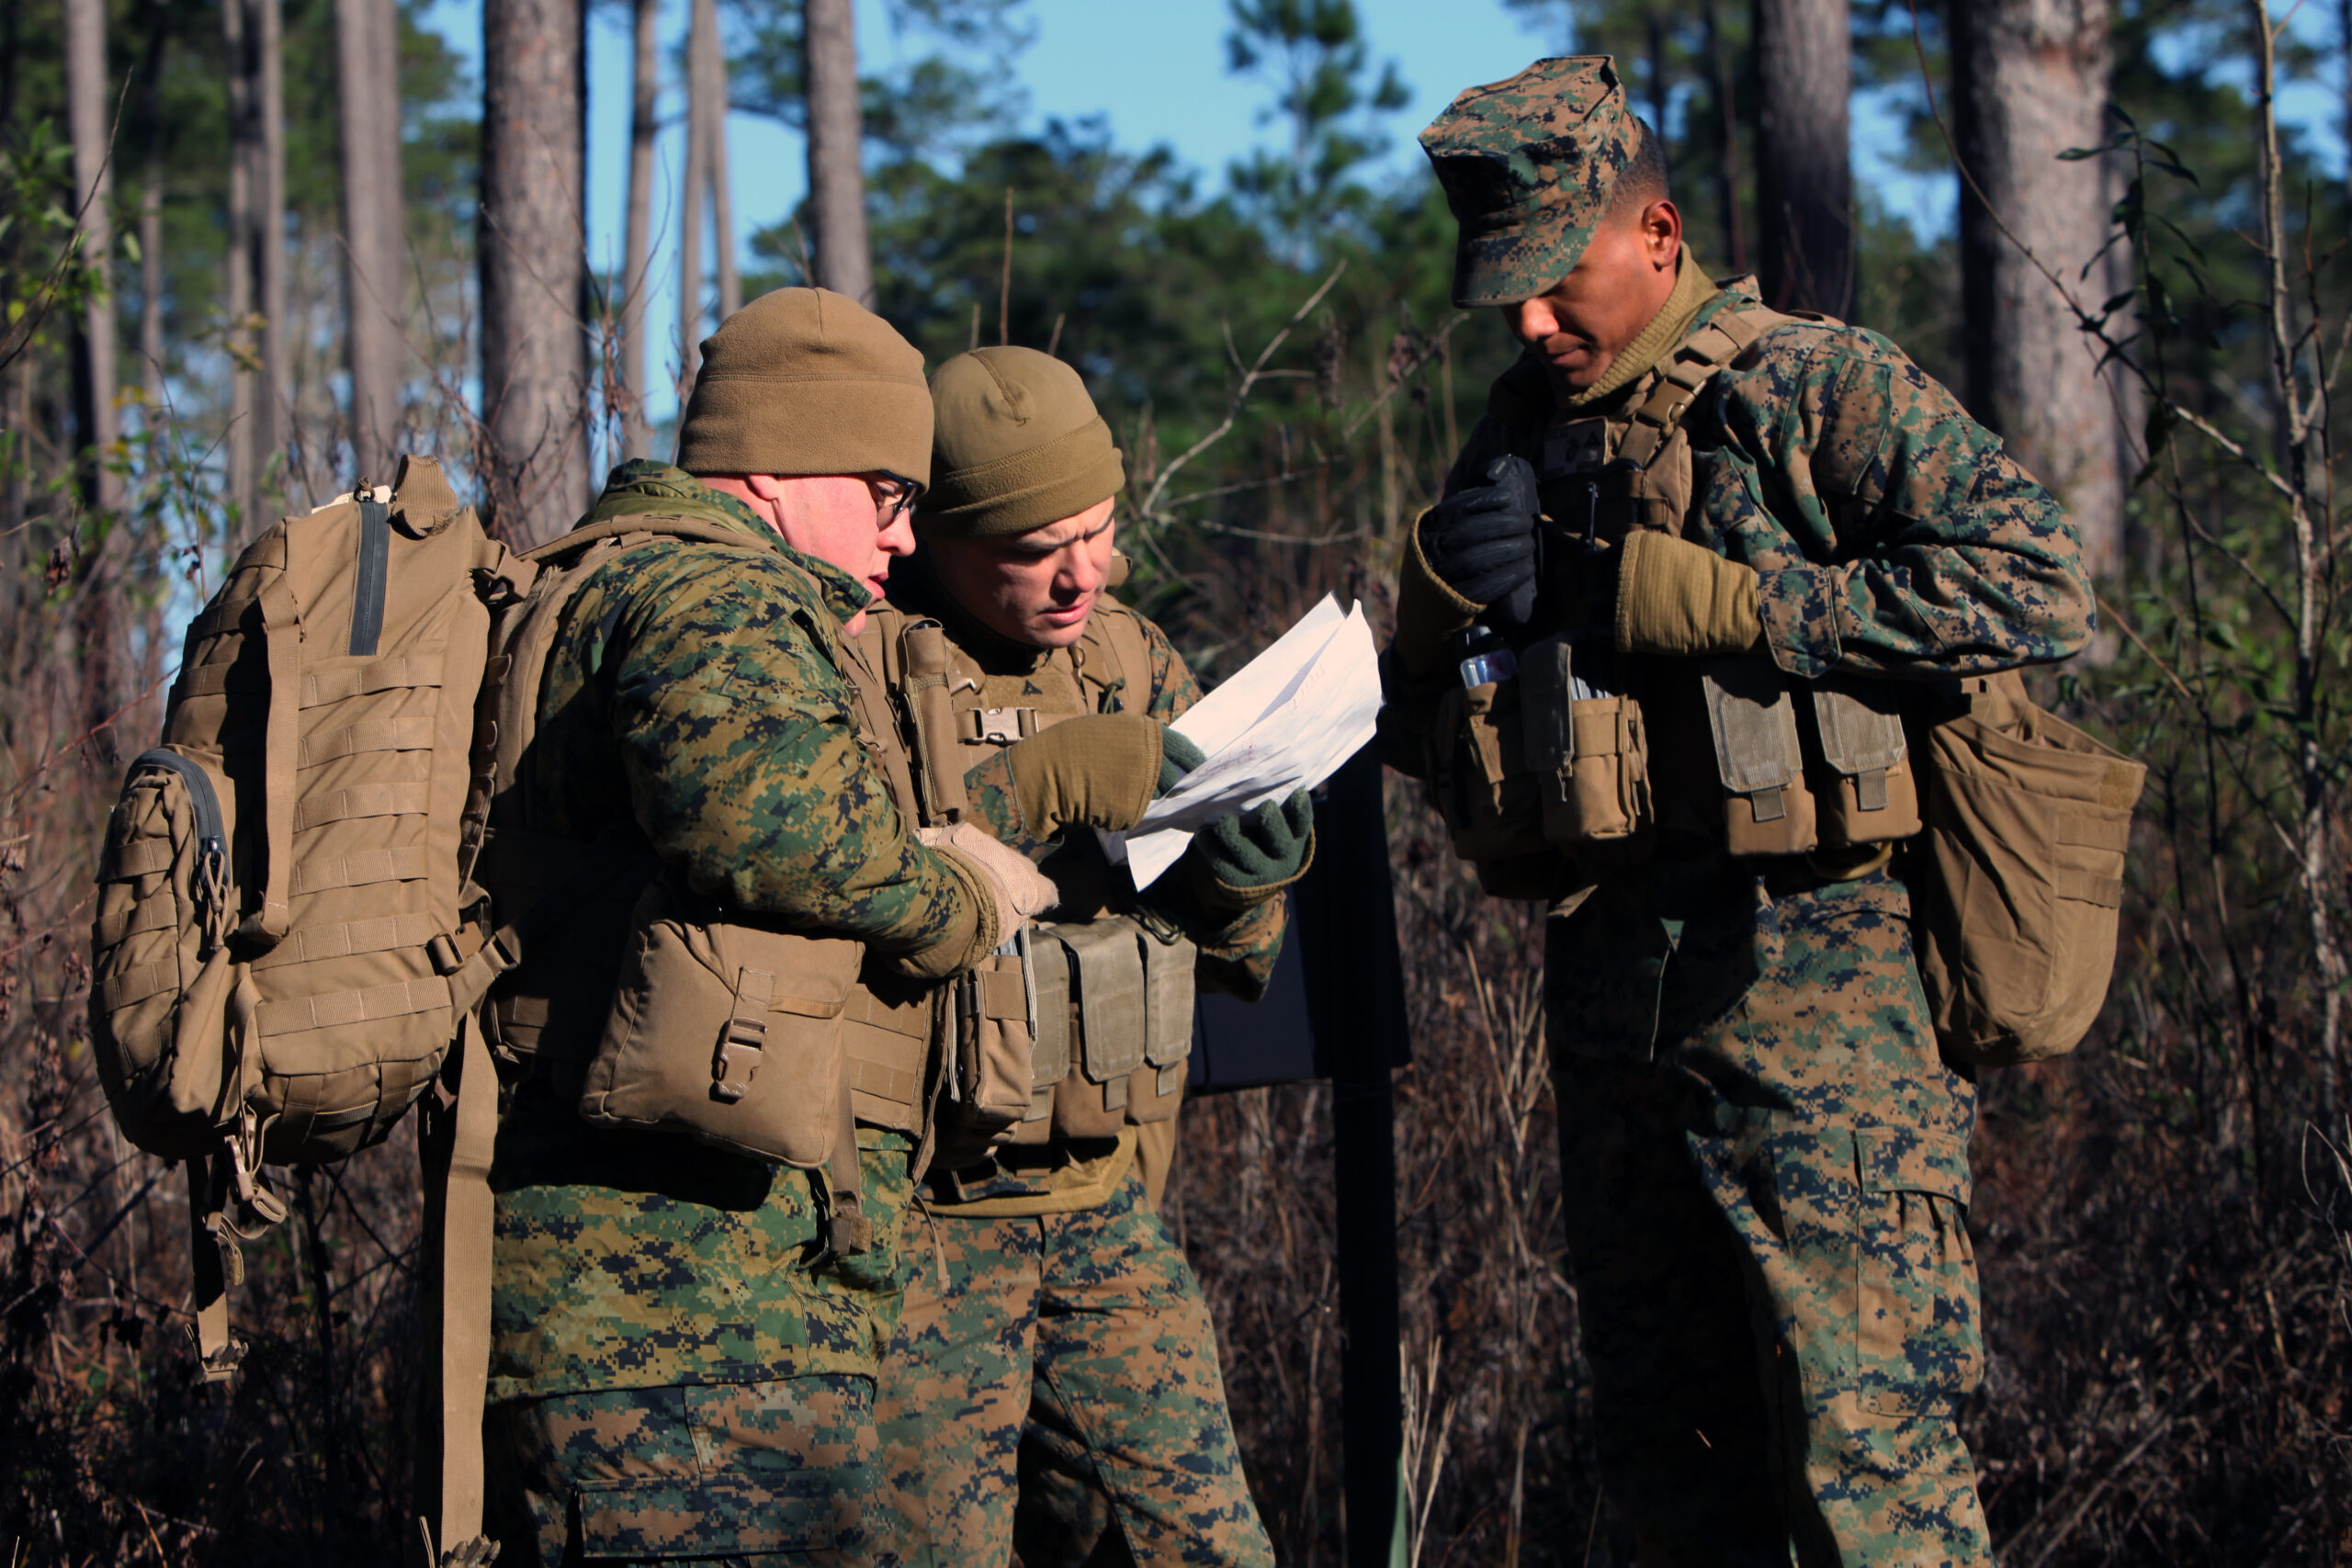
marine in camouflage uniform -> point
(680, 1366)
(1765, 1156)
(1054, 1385)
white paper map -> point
(1285, 721)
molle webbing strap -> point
(849, 1230)
(459, 1231)
(1702, 354)
(218, 1351)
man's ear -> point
(767, 486)
(1662, 231)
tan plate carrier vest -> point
(1114, 993)
(2018, 875)
(1528, 769)
(728, 1028)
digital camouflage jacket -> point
(692, 702)
(1891, 533)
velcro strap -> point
(413, 734)
(2089, 887)
(1001, 994)
(910, 1021)
(422, 667)
(383, 934)
(138, 984)
(228, 612)
(142, 859)
(1601, 732)
(411, 863)
(365, 800)
(2096, 832)
(341, 1009)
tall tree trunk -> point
(1804, 71)
(1724, 82)
(645, 91)
(89, 108)
(2029, 82)
(713, 90)
(273, 431)
(375, 222)
(836, 149)
(534, 248)
(151, 209)
(694, 211)
(237, 303)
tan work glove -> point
(1678, 598)
(1016, 889)
(1101, 770)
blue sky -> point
(1156, 69)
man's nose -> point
(898, 537)
(1532, 321)
(1081, 575)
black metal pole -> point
(1346, 931)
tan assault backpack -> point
(287, 950)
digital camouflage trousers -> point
(1766, 1165)
(1061, 1394)
(764, 1473)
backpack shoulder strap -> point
(651, 523)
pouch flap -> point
(1544, 672)
(1896, 1160)
(1050, 1054)
(809, 976)
(1112, 1008)
(1755, 725)
(1862, 726)
(782, 1510)
(1169, 967)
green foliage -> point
(1315, 55)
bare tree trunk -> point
(1725, 82)
(238, 304)
(713, 91)
(534, 250)
(636, 431)
(693, 212)
(836, 149)
(275, 428)
(151, 211)
(2028, 83)
(374, 224)
(1804, 71)
(90, 116)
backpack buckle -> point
(737, 1060)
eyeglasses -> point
(893, 495)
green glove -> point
(1250, 856)
(1177, 757)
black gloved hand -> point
(1178, 756)
(1481, 541)
(1254, 853)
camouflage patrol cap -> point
(1528, 167)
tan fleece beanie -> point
(1019, 446)
(808, 381)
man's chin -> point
(1055, 631)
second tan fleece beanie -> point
(1018, 446)
(808, 381)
